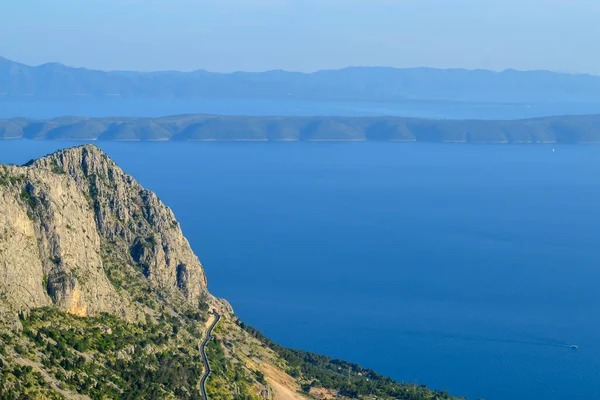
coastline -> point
(578, 129)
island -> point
(559, 129)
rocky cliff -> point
(66, 217)
(101, 297)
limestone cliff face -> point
(64, 216)
(80, 235)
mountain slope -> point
(101, 297)
(54, 80)
(561, 129)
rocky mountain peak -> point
(72, 221)
(101, 297)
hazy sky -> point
(303, 35)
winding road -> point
(205, 358)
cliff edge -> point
(67, 217)
(102, 297)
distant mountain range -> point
(568, 129)
(57, 81)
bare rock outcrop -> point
(63, 216)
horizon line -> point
(494, 71)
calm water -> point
(466, 268)
(419, 109)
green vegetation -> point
(57, 169)
(226, 372)
(132, 281)
(563, 129)
(105, 357)
(28, 199)
(7, 179)
(158, 357)
(93, 195)
(22, 382)
(351, 380)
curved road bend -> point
(205, 358)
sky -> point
(303, 35)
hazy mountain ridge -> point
(101, 297)
(53, 80)
(561, 129)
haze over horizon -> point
(49, 62)
(261, 35)
(390, 199)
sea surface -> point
(438, 109)
(468, 268)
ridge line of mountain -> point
(203, 127)
(361, 83)
(5, 60)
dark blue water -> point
(466, 268)
(34, 108)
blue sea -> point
(438, 109)
(468, 268)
